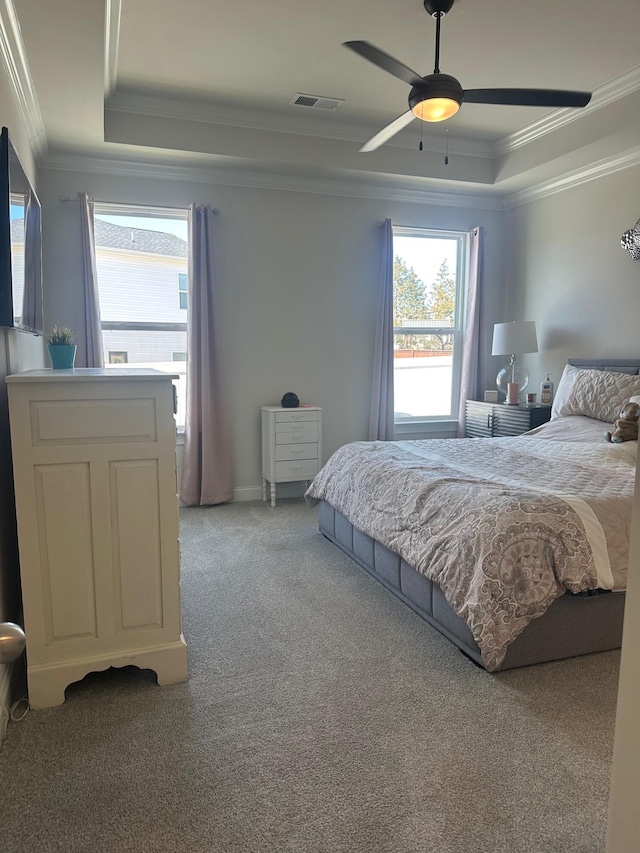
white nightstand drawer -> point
(296, 426)
(286, 452)
(303, 434)
(295, 415)
(302, 470)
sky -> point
(426, 255)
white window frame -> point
(183, 290)
(440, 425)
(148, 212)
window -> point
(139, 253)
(429, 272)
(182, 290)
(179, 356)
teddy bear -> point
(625, 428)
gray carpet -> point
(321, 714)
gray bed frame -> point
(573, 625)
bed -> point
(514, 548)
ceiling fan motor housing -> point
(436, 86)
(438, 7)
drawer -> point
(296, 426)
(294, 416)
(305, 469)
(286, 452)
(304, 433)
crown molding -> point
(113, 12)
(170, 109)
(600, 169)
(619, 87)
(14, 59)
(396, 191)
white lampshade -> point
(513, 338)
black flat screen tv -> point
(20, 245)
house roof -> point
(110, 236)
(113, 236)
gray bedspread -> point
(503, 526)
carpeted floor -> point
(321, 716)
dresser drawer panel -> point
(305, 469)
(302, 434)
(295, 415)
(92, 421)
(296, 426)
(285, 452)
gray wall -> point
(566, 271)
(298, 275)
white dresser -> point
(95, 481)
(291, 446)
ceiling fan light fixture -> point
(435, 109)
(437, 98)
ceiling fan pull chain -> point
(420, 146)
(446, 148)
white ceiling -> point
(208, 82)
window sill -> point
(417, 430)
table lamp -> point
(512, 339)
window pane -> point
(155, 349)
(139, 261)
(422, 378)
(425, 277)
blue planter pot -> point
(62, 356)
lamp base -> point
(512, 374)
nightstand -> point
(489, 420)
(291, 446)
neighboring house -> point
(142, 277)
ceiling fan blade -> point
(387, 132)
(528, 97)
(384, 61)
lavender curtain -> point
(207, 471)
(32, 297)
(89, 337)
(381, 419)
(471, 355)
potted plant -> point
(62, 348)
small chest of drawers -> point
(489, 420)
(291, 446)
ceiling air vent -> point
(315, 102)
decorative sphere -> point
(12, 641)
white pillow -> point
(563, 391)
(597, 394)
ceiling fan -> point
(438, 96)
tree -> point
(441, 300)
(409, 297)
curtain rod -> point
(64, 199)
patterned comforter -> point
(503, 525)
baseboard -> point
(284, 490)
(248, 493)
(254, 493)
